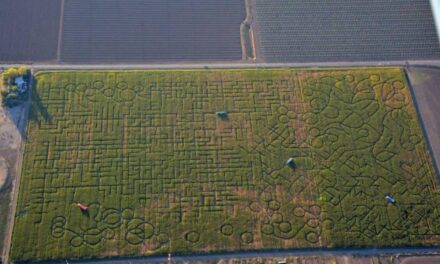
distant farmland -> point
(344, 30)
(154, 30)
(162, 172)
(132, 31)
(29, 30)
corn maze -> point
(161, 172)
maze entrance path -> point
(161, 172)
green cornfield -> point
(161, 171)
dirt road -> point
(216, 258)
(220, 65)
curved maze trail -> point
(368, 143)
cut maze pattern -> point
(367, 143)
(162, 172)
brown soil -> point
(425, 83)
(3, 172)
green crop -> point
(162, 172)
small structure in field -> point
(222, 114)
(82, 207)
(21, 84)
(390, 199)
(291, 163)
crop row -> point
(345, 30)
(154, 30)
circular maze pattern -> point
(121, 92)
(247, 237)
(192, 236)
(227, 229)
(58, 226)
(267, 229)
(312, 237)
(137, 230)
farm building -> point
(21, 84)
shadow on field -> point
(85, 213)
(37, 109)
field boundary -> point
(225, 65)
(154, 86)
(422, 124)
(267, 253)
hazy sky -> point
(436, 7)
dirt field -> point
(344, 30)
(156, 30)
(349, 259)
(136, 31)
(11, 122)
(3, 172)
(426, 85)
(29, 30)
(421, 260)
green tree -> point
(9, 75)
(22, 71)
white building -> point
(21, 84)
